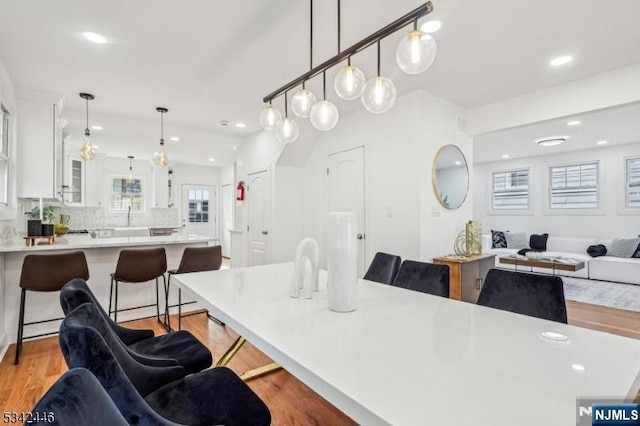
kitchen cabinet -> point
(96, 183)
(160, 186)
(73, 187)
(40, 145)
(467, 274)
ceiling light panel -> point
(94, 37)
(561, 60)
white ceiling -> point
(617, 126)
(209, 61)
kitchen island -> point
(102, 256)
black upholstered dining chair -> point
(423, 276)
(384, 268)
(180, 346)
(536, 295)
(77, 399)
(214, 396)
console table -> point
(466, 274)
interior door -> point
(199, 210)
(346, 192)
(227, 219)
(257, 199)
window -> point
(510, 190)
(574, 187)
(127, 194)
(633, 182)
(4, 155)
(198, 206)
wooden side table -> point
(466, 274)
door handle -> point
(264, 232)
(360, 236)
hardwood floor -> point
(290, 401)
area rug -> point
(612, 295)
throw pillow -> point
(498, 240)
(516, 240)
(597, 250)
(623, 247)
(538, 242)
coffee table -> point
(560, 264)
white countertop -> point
(72, 242)
(404, 357)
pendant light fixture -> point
(349, 81)
(287, 129)
(269, 116)
(324, 114)
(162, 159)
(303, 100)
(416, 51)
(379, 93)
(87, 151)
(130, 177)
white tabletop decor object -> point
(305, 274)
(342, 261)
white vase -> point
(342, 261)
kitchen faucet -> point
(129, 217)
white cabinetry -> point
(74, 181)
(39, 146)
(160, 186)
(95, 183)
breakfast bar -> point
(102, 256)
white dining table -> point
(407, 358)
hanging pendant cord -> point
(86, 130)
(286, 111)
(339, 28)
(378, 57)
(324, 85)
(162, 129)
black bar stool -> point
(194, 259)
(47, 272)
(138, 266)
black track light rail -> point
(407, 19)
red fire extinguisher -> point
(240, 191)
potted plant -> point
(35, 227)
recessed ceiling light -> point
(551, 141)
(94, 37)
(155, 153)
(578, 367)
(505, 155)
(602, 142)
(175, 138)
(561, 60)
(431, 26)
(212, 159)
(458, 163)
(96, 127)
(241, 125)
(574, 123)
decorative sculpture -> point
(306, 271)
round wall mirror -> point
(450, 177)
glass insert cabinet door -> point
(127, 193)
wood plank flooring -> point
(290, 401)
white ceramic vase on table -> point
(342, 261)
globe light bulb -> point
(379, 95)
(162, 159)
(87, 151)
(269, 116)
(349, 82)
(416, 52)
(324, 115)
(302, 102)
(287, 130)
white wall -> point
(287, 213)
(400, 146)
(8, 213)
(612, 221)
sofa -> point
(603, 268)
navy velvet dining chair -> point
(181, 346)
(424, 277)
(536, 295)
(214, 396)
(76, 399)
(384, 268)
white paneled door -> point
(346, 192)
(227, 219)
(258, 202)
(199, 210)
